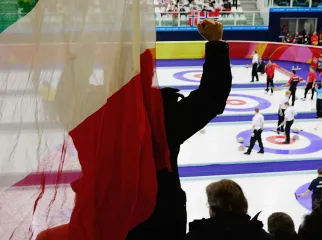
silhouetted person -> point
(228, 216)
(281, 226)
(183, 119)
(311, 228)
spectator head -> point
(314, 33)
(288, 93)
(287, 104)
(226, 197)
(287, 34)
(293, 72)
(311, 227)
(281, 226)
(320, 172)
(256, 110)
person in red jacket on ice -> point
(310, 84)
(270, 70)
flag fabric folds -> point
(80, 104)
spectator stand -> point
(185, 13)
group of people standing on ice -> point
(312, 83)
(286, 111)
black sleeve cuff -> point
(215, 47)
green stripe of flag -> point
(12, 10)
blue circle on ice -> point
(314, 146)
(306, 202)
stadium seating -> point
(165, 18)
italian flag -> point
(81, 118)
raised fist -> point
(210, 30)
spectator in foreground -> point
(169, 218)
(281, 226)
(228, 216)
(182, 119)
(311, 227)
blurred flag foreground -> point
(79, 101)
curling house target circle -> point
(278, 140)
(315, 144)
(194, 74)
(261, 103)
(236, 102)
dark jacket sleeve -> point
(195, 111)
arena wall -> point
(241, 49)
(23, 53)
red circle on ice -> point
(278, 139)
(235, 102)
(197, 75)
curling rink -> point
(269, 180)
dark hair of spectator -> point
(311, 227)
(281, 226)
(293, 71)
(320, 171)
(225, 197)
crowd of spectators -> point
(184, 6)
(229, 219)
(304, 37)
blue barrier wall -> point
(231, 33)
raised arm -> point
(195, 111)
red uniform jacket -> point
(270, 69)
(315, 40)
